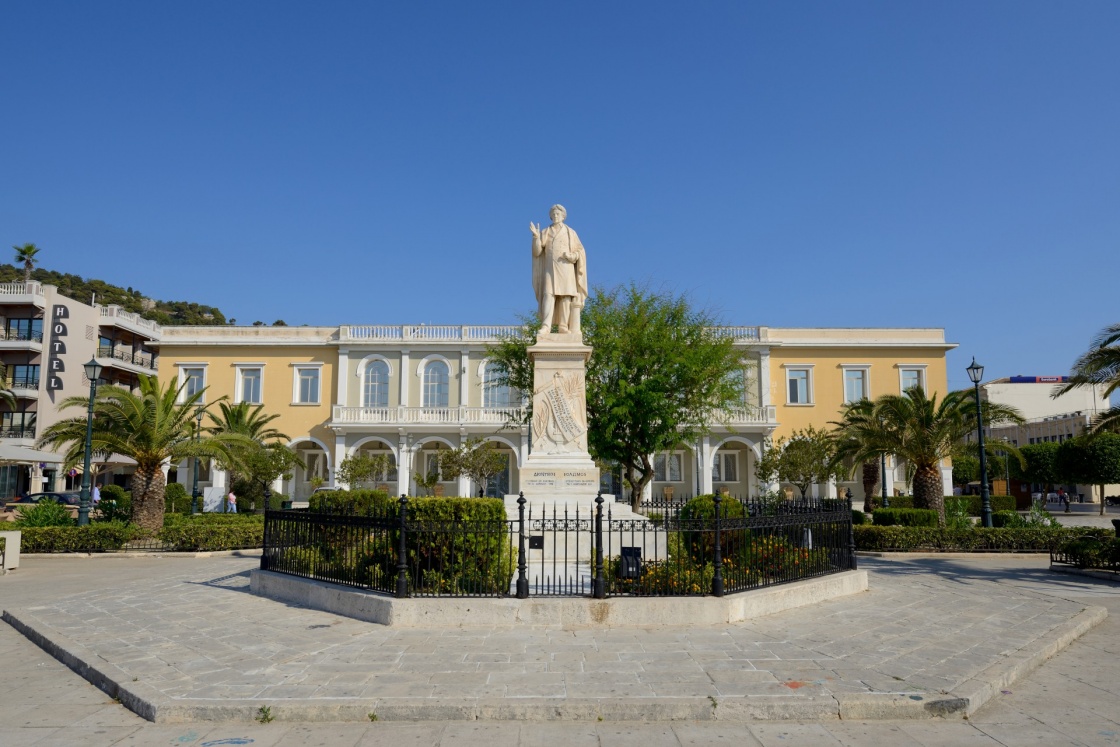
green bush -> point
(211, 532)
(859, 517)
(351, 502)
(115, 505)
(900, 501)
(700, 514)
(972, 503)
(176, 499)
(45, 513)
(977, 539)
(91, 538)
(905, 517)
(1009, 519)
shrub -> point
(91, 538)
(1007, 519)
(351, 502)
(115, 505)
(976, 539)
(45, 513)
(972, 503)
(699, 515)
(905, 517)
(858, 517)
(210, 532)
(176, 499)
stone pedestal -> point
(559, 467)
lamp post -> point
(194, 488)
(975, 374)
(93, 373)
(883, 479)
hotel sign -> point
(55, 365)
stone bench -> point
(9, 557)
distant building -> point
(45, 339)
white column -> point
(339, 458)
(524, 451)
(830, 489)
(705, 465)
(404, 465)
(947, 480)
(764, 377)
(343, 376)
(218, 477)
(406, 374)
(464, 361)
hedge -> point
(972, 502)
(205, 535)
(350, 502)
(905, 517)
(977, 539)
(98, 537)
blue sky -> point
(951, 164)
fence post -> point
(717, 579)
(265, 542)
(402, 552)
(522, 577)
(851, 535)
(599, 589)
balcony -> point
(127, 320)
(30, 293)
(136, 362)
(750, 415)
(424, 333)
(22, 386)
(18, 433)
(405, 416)
(21, 340)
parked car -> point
(67, 499)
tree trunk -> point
(870, 480)
(929, 492)
(639, 487)
(148, 488)
(1102, 498)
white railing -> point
(751, 415)
(31, 288)
(127, 316)
(739, 334)
(439, 415)
(423, 332)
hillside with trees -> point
(167, 313)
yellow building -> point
(409, 391)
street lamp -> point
(194, 488)
(883, 479)
(93, 373)
(975, 374)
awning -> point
(26, 455)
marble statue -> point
(559, 273)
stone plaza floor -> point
(187, 628)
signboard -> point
(1039, 379)
(57, 347)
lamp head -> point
(93, 369)
(975, 372)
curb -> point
(246, 553)
(963, 701)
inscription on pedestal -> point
(566, 479)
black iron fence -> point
(1089, 552)
(709, 547)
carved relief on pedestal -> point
(559, 415)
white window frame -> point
(513, 396)
(667, 456)
(363, 370)
(239, 379)
(296, 368)
(865, 369)
(808, 368)
(719, 462)
(187, 366)
(920, 368)
(424, 383)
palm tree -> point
(919, 430)
(1099, 366)
(151, 426)
(7, 396)
(870, 467)
(26, 255)
(252, 423)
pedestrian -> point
(231, 503)
(96, 495)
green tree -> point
(808, 456)
(660, 373)
(1099, 366)
(1040, 465)
(478, 459)
(254, 424)
(919, 430)
(261, 467)
(150, 426)
(1089, 460)
(360, 468)
(26, 255)
(843, 453)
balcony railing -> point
(414, 415)
(17, 432)
(136, 359)
(23, 335)
(750, 415)
(116, 312)
(20, 382)
(477, 333)
(31, 288)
